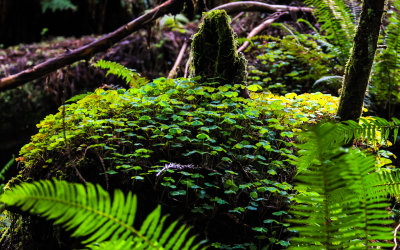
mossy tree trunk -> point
(214, 52)
(359, 66)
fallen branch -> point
(187, 67)
(272, 18)
(258, 6)
(87, 51)
(172, 73)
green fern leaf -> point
(346, 208)
(128, 75)
(337, 21)
(90, 211)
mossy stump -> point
(214, 52)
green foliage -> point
(338, 18)
(342, 197)
(134, 113)
(385, 78)
(91, 213)
(54, 5)
(130, 76)
(175, 122)
(337, 22)
(292, 63)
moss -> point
(214, 53)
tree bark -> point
(358, 68)
(87, 51)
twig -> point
(395, 234)
(79, 174)
(104, 169)
(237, 16)
(205, 5)
(258, 6)
(272, 18)
(172, 73)
(187, 67)
(87, 51)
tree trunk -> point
(359, 66)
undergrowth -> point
(216, 154)
(292, 63)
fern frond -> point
(372, 129)
(341, 211)
(130, 76)
(386, 71)
(342, 12)
(336, 21)
(90, 211)
(315, 210)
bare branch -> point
(272, 18)
(172, 73)
(87, 51)
(258, 6)
(187, 67)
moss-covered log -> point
(358, 67)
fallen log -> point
(87, 51)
